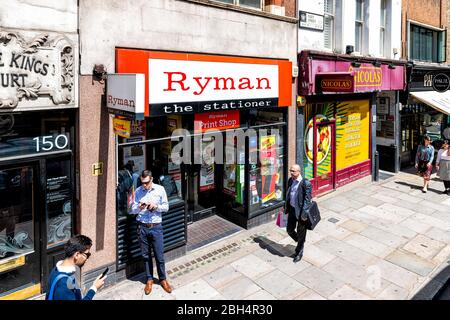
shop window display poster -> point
(135, 153)
(269, 176)
(207, 167)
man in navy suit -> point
(298, 203)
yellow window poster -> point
(122, 127)
(352, 133)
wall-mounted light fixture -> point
(349, 49)
(99, 73)
(356, 64)
(376, 63)
(391, 66)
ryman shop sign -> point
(186, 83)
(36, 71)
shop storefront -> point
(426, 109)
(37, 134)
(341, 98)
(229, 117)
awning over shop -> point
(437, 100)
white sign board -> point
(126, 94)
(311, 21)
(196, 85)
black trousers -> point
(447, 184)
(296, 229)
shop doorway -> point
(20, 254)
(320, 151)
(202, 185)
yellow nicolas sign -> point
(122, 127)
(366, 76)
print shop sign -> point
(179, 86)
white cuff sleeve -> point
(93, 288)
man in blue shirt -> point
(150, 202)
(62, 284)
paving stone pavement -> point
(376, 240)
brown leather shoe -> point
(166, 286)
(148, 287)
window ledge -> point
(243, 10)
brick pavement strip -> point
(388, 234)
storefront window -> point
(267, 174)
(16, 212)
(153, 156)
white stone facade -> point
(39, 54)
(175, 25)
(344, 28)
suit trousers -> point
(152, 238)
(298, 235)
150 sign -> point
(51, 143)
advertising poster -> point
(253, 174)
(352, 133)
(229, 179)
(269, 174)
(135, 153)
(324, 134)
(122, 127)
(207, 167)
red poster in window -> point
(216, 121)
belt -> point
(149, 225)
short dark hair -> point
(146, 173)
(78, 243)
(425, 137)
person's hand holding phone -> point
(142, 205)
(152, 206)
(100, 281)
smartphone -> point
(104, 273)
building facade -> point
(223, 65)
(38, 143)
(349, 86)
(424, 106)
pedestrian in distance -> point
(150, 202)
(443, 166)
(298, 203)
(62, 284)
(424, 160)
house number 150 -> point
(47, 143)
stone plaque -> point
(36, 71)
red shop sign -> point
(335, 82)
(216, 121)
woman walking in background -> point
(443, 166)
(424, 160)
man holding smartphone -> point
(149, 203)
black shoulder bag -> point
(314, 213)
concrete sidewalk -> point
(384, 240)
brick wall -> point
(430, 12)
(291, 8)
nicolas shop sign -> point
(36, 71)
